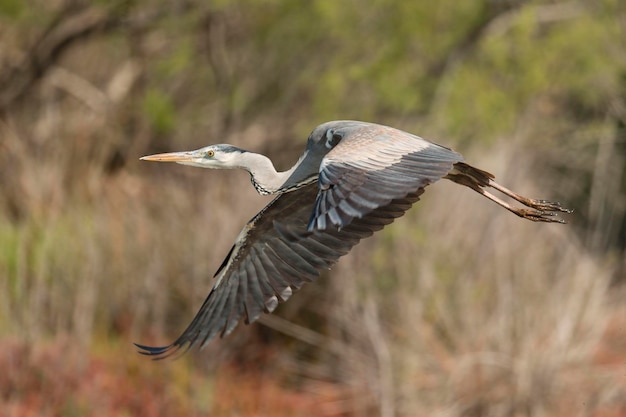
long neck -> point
(267, 180)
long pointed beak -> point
(170, 157)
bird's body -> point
(352, 180)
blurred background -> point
(457, 309)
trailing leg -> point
(478, 180)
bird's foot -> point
(547, 206)
(540, 215)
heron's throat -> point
(266, 180)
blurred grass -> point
(56, 379)
(458, 309)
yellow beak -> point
(170, 157)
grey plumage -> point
(353, 179)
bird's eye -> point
(332, 138)
(210, 154)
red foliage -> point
(59, 379)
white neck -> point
(265, 178)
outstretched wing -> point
(272, 257)
(371, 166)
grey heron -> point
(353, 179)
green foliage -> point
(11, 8)
(572, 59)
(178, 60)
(159, 110)
(387, 66)
(9, 243)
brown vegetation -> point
(458, 309)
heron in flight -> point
(353, 179)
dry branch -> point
(17, 81)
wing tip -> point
(157, 352)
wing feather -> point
(287, 271)
(218, 307)
(267, 273)
(254, 301)
(237, 309)
(371, 166)
(271, 260)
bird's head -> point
(213, 156)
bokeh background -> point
(458, 309)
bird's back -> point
(368, 166)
